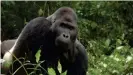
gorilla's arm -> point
(7, 45)
(30, 38)
(80, 66)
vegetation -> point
(105, 29)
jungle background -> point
(105, 29)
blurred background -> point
(105, 29)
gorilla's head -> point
(64, 27)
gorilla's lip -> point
(62, 44)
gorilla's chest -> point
(49, 52)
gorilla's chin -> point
(61, 44)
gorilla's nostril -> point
(65, 35)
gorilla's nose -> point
(65, 35)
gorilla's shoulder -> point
(79, 46)
(39, 19)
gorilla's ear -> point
(51, 18)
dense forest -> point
(105, 29)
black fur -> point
(56, 36)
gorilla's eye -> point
(71, 27)
(63, 25)
(68, 20)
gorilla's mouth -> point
(61, 43)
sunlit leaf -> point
(40, 12)
(51, 71)
(120, 47)
(38, 55)
(107, 42)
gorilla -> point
(56, 36)
(6, 45)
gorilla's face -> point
(65, 33)
(64, 27)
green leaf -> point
(59, 67)
(64, 73)
(119, 47)
(40, 12)
(107, 42)
(93, 25)
(38, 55)
(119, 41)
(51, 71)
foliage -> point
(105, 28)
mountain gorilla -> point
(56, 37)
